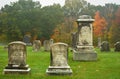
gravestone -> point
(46, 45)
(117, 47)
(17, 59)
(59, 60)
(36, 45)
(74, 38)
(51, 41)
(27, 39)
(84, 50)
(105, 46)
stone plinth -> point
(58, 62)
(56, 70)
(85, 53)
(17, 70)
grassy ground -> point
(106, 67)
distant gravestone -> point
(74, 39)
(99, 42)
(117, 47)
(46, 45)
(51, 41)
(17, 58)
(36, 45)
(59, 59)
(105, 46)
(27, 39)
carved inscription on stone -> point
(85, 36)
(59, 55)
(17, 53)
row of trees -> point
(28, 17)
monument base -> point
(84, 55)
(56, 70)
(16, 70)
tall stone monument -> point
(59, 60)
(17, 59)
(84, 50)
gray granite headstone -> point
(105, 46)
(117, 47)
(84, 50)
(17, 58)
(59, 60)
(36, 45)
(27, 39)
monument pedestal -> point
(59, 70)
(84, 53)
(14, 69)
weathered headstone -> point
(36, 45)
(51, 41)
(27, 39)
(105, 46)
(117, 47)
(74, 38)
(46, 45)
(84, 50)
(17, 59)
(59, 60)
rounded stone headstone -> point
(17, 59)
(36, 45)
(117, 47)
(105, 46)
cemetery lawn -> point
(106, 67)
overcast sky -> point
(50, 2)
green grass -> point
(106, 67)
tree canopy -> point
(55, 21)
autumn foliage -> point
(114, 34)
(99, 25)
